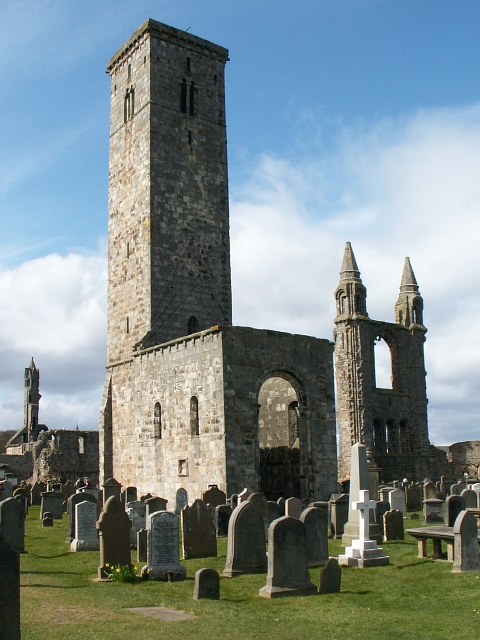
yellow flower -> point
(135, 568)
(107, 565)
(118, 570)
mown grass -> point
(410, 599)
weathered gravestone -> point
(222, 518)
(393, 525)
(234, 501)
(293, 508)
(470, 498)
(432, 511)
(6, 490)
(36, 492)
(281, 507)
(75, 499)
(145, 497)
(198, 533)
(397, 500)
(429, 491)
(316, 532)
(142, 545)
(111, 488)
(181, 500)
(287, 560)
(454, 505)
(207, 585)
(9, 592)
(273, 512)
(330, 577)
(23, 501)
(338, 506)
(12, 523)
(137, 512)
(465, 532)
(214, 496)
(380, 510)
(155, 504)
(413, 498)
(456, 489)
(86, 537)
(260, 502)
(47, 520)
(246, 542)
(476, 487)
(114, 534)
(51, 502)
(129, 495)
(162, 547)
(68, 489)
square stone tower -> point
(168, 229)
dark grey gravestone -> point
(130, 494)
(465, 532)
(155, 504)
(142, 545)
(207, 585)
(234, 501)
(47, 520)
(413, 498)
(198, 533)
(287, 560)
(111, 487)
(246, 542)
(380, 511)
(456, 489)
(24, 501)
(222, 518)
(36, 492)
(114, 536)
(432, 511)
(214, 496)
(162, 547)
(12, 523)
(338, 505)
(145, 497)
(470, 498)
(453, 506)
(75, 499)
(316, 531)
(393, 525)
(330, 577)
(415, 516)
(68, 489)
(281, 507)
(51, 502)
(181, 500)
(9, 592)
(6, 490)
(273, 512)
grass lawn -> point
(411, 598)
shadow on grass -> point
(414, 564)
(53, 586)
(51, 573)
(60, 555)
(233, 599)
(356, 593)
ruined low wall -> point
(465, 458)
(21, 466)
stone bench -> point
(437, 535)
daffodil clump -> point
(121, 572)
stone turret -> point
(351, 294)
(31, 402)
(409, 306)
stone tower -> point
(168, 229)
(31, 401)
(392, 423)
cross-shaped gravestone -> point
(364, 506)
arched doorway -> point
(279, 439)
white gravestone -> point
(137, 513)
(396, 497)
(162, 547)
(86, 535)
(363, 552)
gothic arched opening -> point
(279, 439)
(383, 364)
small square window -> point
(183, 467)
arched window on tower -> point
(383, 364)
(359, 303)
(194, 421)
(157, 421)
(193, 325)
(417, 314)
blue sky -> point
(347, 120)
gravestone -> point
(181, 500)
(86, 537)
(222, 517)
(114, 534)
(145, 497)
(380, 511)
(68, 489)
(137, 513)
(359, 481)
(51, 502)
(246, 542)
(20, 497)
(129, 495)
(287, 560)
(384, 494)
(338, 505)
(12, 523)
(454, 505)
(207, 585)
(162, 547)
(316, 532)
(393, 525)
(456, 489)
(36, 492)
(234, 501)
(281, 507)
(470, 498)
(75, 499)
(397, 500)
(155, 504)
(330, 577)
(6, 490)
(465, 533)
(432, 511)
(429, 491)
(198, 533)
(273, 512)
(47, 520)
(142, 545)
(111, 488)
(413, 498)
(244, 495)
(9, 592)
(261, 503)
(214, 497)
(293, 508)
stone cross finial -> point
(364, 505)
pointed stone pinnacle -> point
(409, 282)
(349, 264)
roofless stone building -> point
(189, 399)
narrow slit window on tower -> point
(127, 326)
(189, 65)
(183, 96)
(194, 421)
(129, 104)
(128, 250)
(157, 421)
(190, 138)
(192, 98)
(129, 71)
